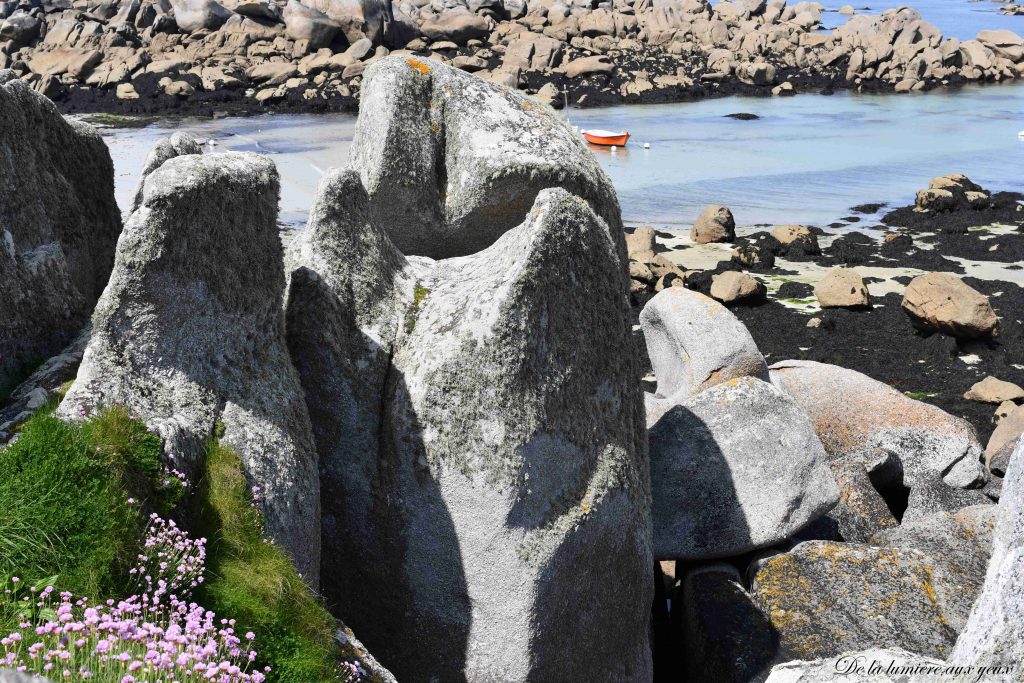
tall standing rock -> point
(451, 161)
(190, 331)
(364, 19)
(347, 302)
(58, 226)
(482, 444)
(175, 145)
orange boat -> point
(606, 138)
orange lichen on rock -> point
(418, 65)
(894, 598)
(878, 407)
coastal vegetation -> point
(253, 580)
(72, 497)
(87, 531)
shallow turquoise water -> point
(807, 160)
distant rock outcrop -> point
(58, 227)
(189, 334)
(154, 55)
(950, 193)
(481, 436)
(451, 161)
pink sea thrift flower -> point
(156, 634)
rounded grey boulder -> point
(694, 343)
(856, 416)
(735, 468)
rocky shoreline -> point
(871, 332)
(207, 57)
(502, 437)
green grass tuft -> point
(256, 583)
(919, 395)
(64, 493)
(66, 520)
(419, 295)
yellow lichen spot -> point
(418, 65)
(929, 590)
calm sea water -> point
(807, 159)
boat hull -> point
(606, 140)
